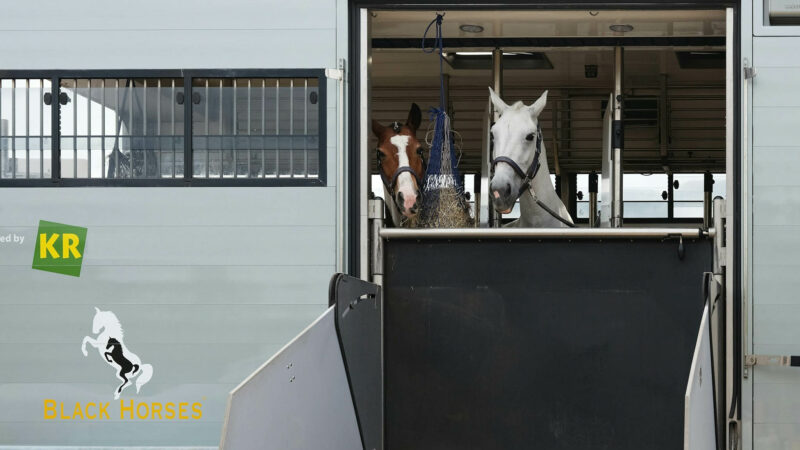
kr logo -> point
(111, 347)
(59, 248)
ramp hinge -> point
(749, 72)
(771, 360)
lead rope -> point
(551, 212)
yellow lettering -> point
(139, 411)
(78, 411)
(156, 410)
(182, 410)
(69, 245)
(122, 409)
(170, 408)
(49, 409)
(61, 408)
(197, 412)
(89, 405)
(103, 410)
(47, 246)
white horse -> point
(111, 347)
(520, 167)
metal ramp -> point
(579, 344)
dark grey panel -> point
(539, 344)
(358, 324)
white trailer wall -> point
(208, 282)
(771, 399)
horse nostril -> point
(400, 200)
(507, 189)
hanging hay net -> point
(444, 203)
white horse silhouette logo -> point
(110, 346)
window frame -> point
(55, 179)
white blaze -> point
(405, 183)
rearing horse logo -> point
(111, 347)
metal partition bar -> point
(617, 139)
(546, 233)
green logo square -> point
(59, 248)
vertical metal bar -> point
(277, 129)
(13, 128)
(708, 188)
(495, 218)
(249, 126)
(130, 124)
(592, 200)
(208, 134)
(75, 129)
(55, 130)
(158, 127)
(222, 139)
(617, 137)
(41, 130)
(143, 107)
(291, 127)
(103, 129)
(263, 127)
(27, 128)
(670, 196)
(188, 151)
(89, 130)
(172, 118)
(305, 127)
(235, 129)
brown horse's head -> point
(400, 161)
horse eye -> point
(529, 137)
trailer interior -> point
(674, 88)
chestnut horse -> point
(401, 166)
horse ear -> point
(414, 117)
(96, 309)
(377, 128)
(538, 106)
(498, 102)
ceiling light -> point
(469, 28)
(621, 28)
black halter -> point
(530, 174)
(390, 183)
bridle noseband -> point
(530, 174)
(391, 183)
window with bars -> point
(247, 127)
(255, 127)
(25, 129)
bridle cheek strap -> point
(530, 174)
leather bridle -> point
(526, 175)
(391, 183)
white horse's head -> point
(107, 320)
(515, 134)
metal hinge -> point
(336, 74)
(771, 360)
(749, 73)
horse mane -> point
(112, 325)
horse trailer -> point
(248, 187)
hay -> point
(444, 203)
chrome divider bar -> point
(546, 233)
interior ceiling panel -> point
(412, 24)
